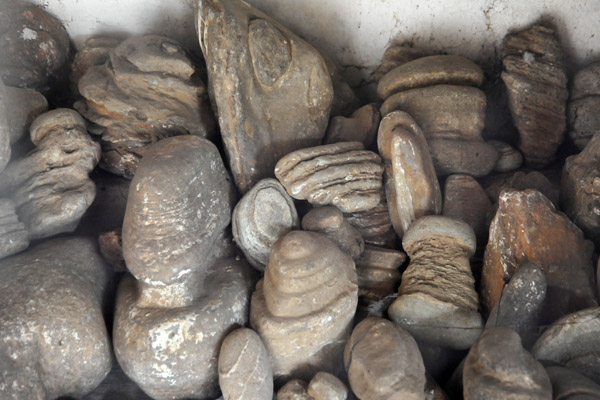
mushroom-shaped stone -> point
(411, 186)
(304, 307)
(438, 302)
(261, 217)
(244, 367)
(53, 338)
(383, 362)
(147, 90)
(340, 174)
(13, 235)
(568, 384)
(374, 224)
(50, 186)
(272, 91)
(509, 158)
(584, 102)
(5, 128)
(536, 82)
(497, 367)
(360, 127)
(325, 386)
(330, 221)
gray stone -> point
(571, 385)
(116, 386)
(324, 386)
(360, 127)
(23, 106)
(509, 159)
(95, 51)
(53, 339)
(13, 235)
(5, 128)
(296, 389)
(330, 221)
(584, 100)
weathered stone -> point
(324, 386)
(574, 341)
(438, 302)
(383, 362)
(584, 102)
(360, 127)
(411, 186)
(308, 297)
(527, 228)
(111, 248)
(5, 128)
(374, 224)
(521, 303)
(509, 158)
(116, 386)
(580, 189)
(13, 235)
(378, 272)
(271, 90)
(571, 385)
(53, 339)
(296, 389)
(22, 107)
(261, 217)
(50, 186)
(536, 82)
(340, 174)
(330, 222)
(497, 367)
(95, 51)
(244, 367)
(522, 180)
(396, 55)
(147, 90)
(34, 46)
(345, 101)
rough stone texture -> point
(465, 199)
(360, 127)
(5, 128)
(304, 306)
(261, 217)
(438, 302)
(383, 362)
(527, 228)
(271, 90)
(22, 107)
(580, 189)
(536, 82)
(340, 174)
(244, 367)
(396, 55)
(111, 248)
(330, 221)
(521, 303)
(584, 102)
(296, 389)
(374, 224)
(95, 51)
(34, 46)
(147, 90)
(411, 186)
(13, 235)
(50, 186)
(509, 158)
(522, 180)
(571, 385)
(573, 341)
(53, 340)
(497, 367)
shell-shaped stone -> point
(330, 221)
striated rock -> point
(536, 82)
(95, 51)
(53, 339)
(50, 186)
(497, 367)
(580, 189)
(527, 228)
(22, 108)
(330, 222)
(13, 235)
(147, 90)
(509, 158)
(396, 55)
(411, 186)
(573, 341)
(271, 90)
(360, 127)
(374, 224)
(308, 297)
(5, 128)
(261, 217)
(244, 367)
(111, 248)
(34, 46)
(378, 272)
(584, 101)
(571, 385)
(324, 386)
(340, 174)
(438, 302)
(296, 389)
(383, 362)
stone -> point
(433, 391)
(497, 367)
(324, 386)
(571, 385)
(438, 302)
(116, 386)
(411, 186)
(522, 180)
(308, 297)
(573, 342)
(584, 100)
(374, 224)
(527, 228)
(244, 367)
(13, 235)
(50, 186)
(95, 51)
(53, 338)
(340, 174)
(580, 189)
(34, 47)
(147, 90)
(521, 303)
(111, 248)
(271, 90)
(22, 108)
(5, 128)
(360, 127)
(296, 389)
(330, 222)
(465, 199)
(509, 159)
(261, 217)
(536, 82)
(396, 55)
(383, 362)
(378, 271)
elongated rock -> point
(5, 128)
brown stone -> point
(330, 222)
(509, 158)
(527, 228)
(584, 102)
(522, 180)
(271, 90)
(568, 384)
(396, 55)
(360, 127)
(536, 81)
(374, 224)
(325, 386)
(378, 272)
(95, 51)
(296, 389)
(111, 248)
